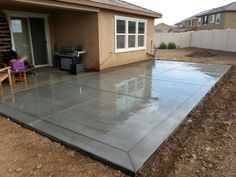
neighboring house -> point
(188, 24)
(162, 28)
(218, 18)
(112, 32)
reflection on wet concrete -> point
(121, 115)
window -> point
(199, 21)
(205, 20)
(16, 26)
(141, 34)
(217, 18)
(190, 23)
(130, 34)
(121, 32)
(212, 18)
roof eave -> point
(113, 7)
(210, 13)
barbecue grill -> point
(68, 57)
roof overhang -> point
(111, 7)
(213, 12)
(85, 5)
(61, 5)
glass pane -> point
(132, 27)
(131, 41)
(120, 41)
(39, 41)
(20, 31)
(120, 26)
(141, 41)
(141, 28)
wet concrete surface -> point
(120, 116)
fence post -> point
(227, 42)
(190, 39)
(213, 39)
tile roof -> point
(225, 8)
(228, 7)
(193, 17)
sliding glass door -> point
(39, 42)
(29, 38)
(20, 35)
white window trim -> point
(205, 20)
(212, 18)
(190, 24)
(218, 16)
(126, 49)
(199, 22)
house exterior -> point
(112, 32)
(188, 24)
(162, 28)
(218, 18)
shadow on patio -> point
(43, 76)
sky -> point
(174, 11)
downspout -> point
(153, 53)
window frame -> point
(205, 20)
(218, 16)
(212, 18)
(132, 34)
(190, 23)
(199, 22)
(127, 34)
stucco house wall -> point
(195, 22)
(230, 20)
(186, 23)
(77, 28)
(94, 31)
(107, 56)
(211, 26)
(227, 20)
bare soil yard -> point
(205, 145)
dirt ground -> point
(204, 146)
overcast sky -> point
(174, 11)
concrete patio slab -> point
(119, 116)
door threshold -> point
(41, 66)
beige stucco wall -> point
(195, 22)
(227, 20)
(185, 24)
(77, 28)
(211, 26)
(230, 20)
(107, 56)
(94, 31)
